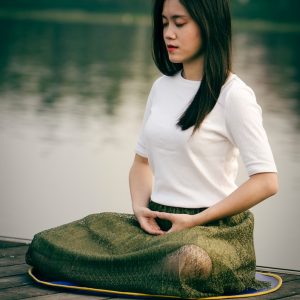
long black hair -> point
(214, 20)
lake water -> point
(72, 97)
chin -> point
(175, 60)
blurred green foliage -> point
(273, 10)
(134, 6)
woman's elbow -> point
(267, 182)
(272, 185)
(139, 163)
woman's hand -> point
(179, 221)
(146, 218)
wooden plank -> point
(289, 289)
(288, 277)
(12, 260)
(13, 270)
(294, 286)
(4, 252)
(13, 281)
(22, 292)
(6, 244)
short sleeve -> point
(245, 127)
(141, 146)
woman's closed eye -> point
(179, 24)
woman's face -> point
(181, 33)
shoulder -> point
(164, 80)
(157, 84)
(239, 102)
(163, 84)
(235, 92)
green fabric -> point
(111, 251)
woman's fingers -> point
(165, 216)
(151, 214)
(179, 221)
(147, 213)
(149, 225)
(152, 229)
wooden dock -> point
(16, 284)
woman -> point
(194, 237)
(192, 42)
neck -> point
(193, 70)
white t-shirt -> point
(200, 170)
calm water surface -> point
(72, 98)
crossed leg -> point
(191, 263)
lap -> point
(105, 249)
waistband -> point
(174, 210)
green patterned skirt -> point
(111, 251)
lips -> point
(171, 47)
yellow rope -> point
(74, 287)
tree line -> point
(278, 10)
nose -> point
(169, 33)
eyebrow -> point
(175, 17)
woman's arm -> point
(257, 188)
(140, 183)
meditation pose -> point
(191, 234)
